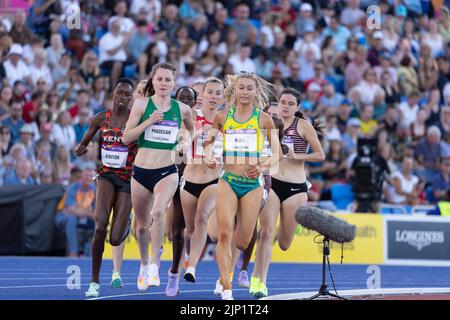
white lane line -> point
(156, 293)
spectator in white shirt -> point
(15, 67)
(308, 42)
(368, 87)
(351, 15)
(242, 61)
(63, 132)
(112, 49)
(405, 185)
(408, 109)
(39, 68)
(151, 7)
(433, 38)
(126, 24)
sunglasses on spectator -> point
(6, 132)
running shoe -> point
(116, 281)
(254, 285)
(219, 288)
(190, 274)
(243, 279)
(93, 291)
(262, 291)
(227, 295)
(142, 282)
(172, 288)
(153, 276)
(298, 230)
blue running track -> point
(46, 278)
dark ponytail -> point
(280, 126)
(149, 90)
(319, 126)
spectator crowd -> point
(391, 82)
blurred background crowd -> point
(391, 82)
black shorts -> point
(119, 184)
(285, 190)
(150, 177)
(195, 188)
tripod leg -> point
(313, 297)
(336, 296)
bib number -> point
(165, 131)
(241, 140)
(114, 157)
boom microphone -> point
(336, 229)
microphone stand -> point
(323, 291)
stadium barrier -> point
(380, 239)
(27, 219)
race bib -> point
(289, 143)
(165, 131)
(114, 156)
(241, 140)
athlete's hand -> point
(290, 155)
(183, 147)
(254, 172)
(155, 117)
(80, 150)
(211, 162)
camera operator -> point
(368, 172)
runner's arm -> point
(188, 122)
(94, 125)
(310, 135)
(208, 145)
(133, 129)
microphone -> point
(336, 229)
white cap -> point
(314, 86)
(353, 122)
(378, 35)
(306, 7)
(16, 49)
(26, 128)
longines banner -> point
(417, 240)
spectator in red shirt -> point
(286, 12)
(32, 107)
(81, 103)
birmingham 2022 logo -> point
(73, 17)
(373, 21)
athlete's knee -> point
(242, 243)
(201, 220)
(143, 228)
(157, 215)
(115, 240)
(284, 244)
(265, 235)
(225, 236)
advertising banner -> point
(415, 240)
